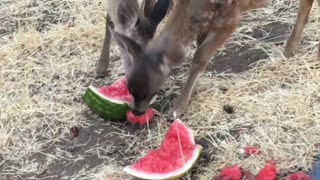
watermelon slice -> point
(110, 102)
(176, 156)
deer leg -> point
(319, 41)
(105, 53)
(202, 56)
(301, 21)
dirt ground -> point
(49, 50)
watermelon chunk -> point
(175, 156)
(268, 172)
(117, 91)
(143, 119)
(298, 176)
(230, 173)
(110, 102)
(250, 150)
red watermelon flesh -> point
(118, 91)
(298, 176)
(175, 156)
(179, 131)
(143, 119)
(230, 173)
(268, 172)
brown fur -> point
(208, 22)
(211, 23)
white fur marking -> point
(165, 69)
(174, 114)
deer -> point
(149, 60)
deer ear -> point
(128, 13)
(158, 12)
(129, 49)
(126, 44)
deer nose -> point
(137, 113)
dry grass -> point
(48, 54)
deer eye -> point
(130, 89)
(142, 94)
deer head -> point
(147, 67)
(144, 67)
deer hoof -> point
(101, 74)
(289, 51)
(174, 114)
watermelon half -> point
(176, 155)
(110, 102)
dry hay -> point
(48, 55)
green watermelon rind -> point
(106, 107)
(172, 175)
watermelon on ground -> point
(113, 103)
(143, 119)
(176, 155)
(110, 102)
